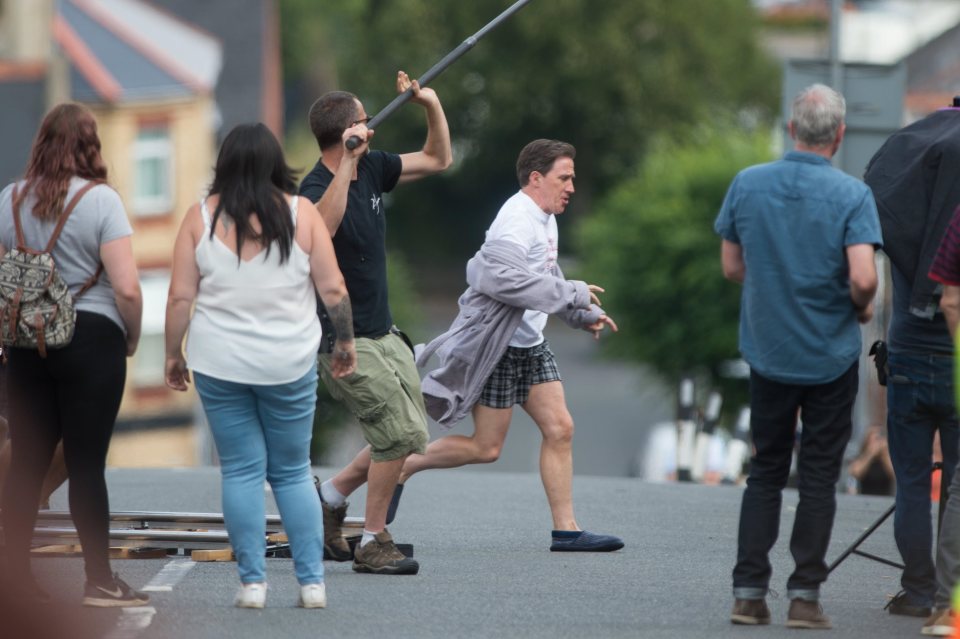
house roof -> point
(129, 51)
(249, 83)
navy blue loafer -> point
(584, 541)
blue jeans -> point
(826, 412)
(263, 433)
(920, 400)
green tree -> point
(607, 78)
(652, 246)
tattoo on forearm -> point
(342, 317)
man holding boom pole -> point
(347, 185)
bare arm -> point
(332, 205)
(950, 304)
(121, 268)
(332, 289)
(436, 154)
(184, 282)
(863, 279)
(731, 258)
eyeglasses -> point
(363, 121)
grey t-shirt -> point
(98, 218)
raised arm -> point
(436, 154)
(332, 205)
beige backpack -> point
(36, 308)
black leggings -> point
(73, 394)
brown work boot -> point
(750, 612)
(807, 614)
(380, 556)
(335, 546)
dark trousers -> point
(825, 411)
(75, 394)
(920, 402)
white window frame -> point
(153, 149)
(147, 366)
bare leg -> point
(353, 474)
(548, 408)
(490, 426)
(381, 482)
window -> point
(151, 353)
(153, 171)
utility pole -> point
(836, 64)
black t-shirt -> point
(360, 242)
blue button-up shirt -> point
(793, 220)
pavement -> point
(482, 540)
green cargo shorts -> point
(384, 395)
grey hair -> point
(818, 112)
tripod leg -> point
(944, 496)
(850, 550)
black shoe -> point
(394, 503)
(583, 541)
(115, 594)
(900, 605)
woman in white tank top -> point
(248, 263)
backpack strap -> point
(66, 213)
(15, 200)
(90, 281)
(72, 204)
(21, 242)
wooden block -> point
(277, 538)
(138, 553)
(219, 554)
(57, 550)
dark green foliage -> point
(607, 77)
(651, 244)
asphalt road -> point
(482, 540)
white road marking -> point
(131, 622)
(169, 576)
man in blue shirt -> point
(800, 236)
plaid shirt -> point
(946, 265)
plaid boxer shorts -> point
(516, 372)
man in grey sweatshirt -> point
(495, 355)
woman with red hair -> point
(73, 392)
